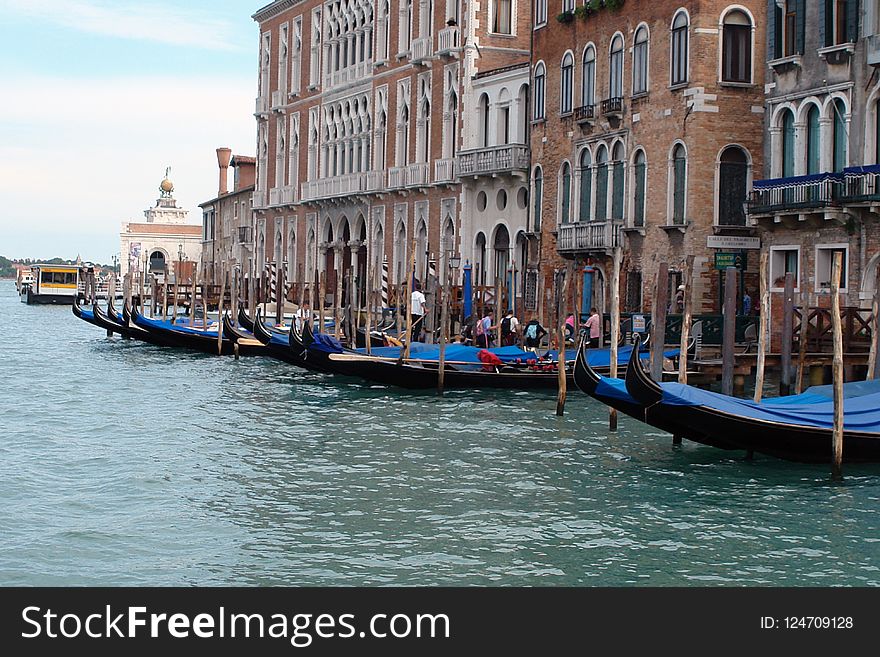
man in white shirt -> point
(303, 314)
(417, 310)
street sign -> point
(638, 323)
(732, 242)
(725, 260)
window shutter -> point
(617, 192)
(826, 32)
(801, 9)
(586, 193)
(771, 30)
(852, 20)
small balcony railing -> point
(612, 105)
(261, 105)
(258, 200)
(584, 113)
(396, 177)
(444, 170)
(795, 194)
(421, 49)
(344, 185)
(506, 158)
(417, 175)
(279, 99)
(861, 185)
(447, 40)
(588, 236)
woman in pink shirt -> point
(594, 326)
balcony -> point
(375, 181)
(354, 73)
(444, 170)
(258, 200)
(261, 106)
(344, 185)
(447, 40)
(279, 99)
(417, 175)
(584, 113)
(281, 196)
(507, 158)
(588, 236)
(612, 106)
(274, 197)
(861, 185)
(795, 195)
(396, 177)
(421, 50)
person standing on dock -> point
(509, 329)
(417, 311)
(533, 334)
(483, 331)
(303, 314)
(594, 326)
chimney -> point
(224, 155)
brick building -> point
(227, 220)
(819, 192)
(359, 131)
(647, 123)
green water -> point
(127, 464)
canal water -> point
(127, 464)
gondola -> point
(184, 337)
(247, 343)
(84, 314)
(792, 431)
(106, 321)
(612, 392)
(277, 344)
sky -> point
(99, 96)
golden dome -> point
(166, 186)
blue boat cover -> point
(861, 413)
(602, 357)
(181, 328)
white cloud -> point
(130, 20)
(77, 158)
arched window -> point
(840, 137)
(538, 197)
(733, 175)
(813, 140)
(736, 48)
(615, 77)
(787, 154)
(565, 83)
(679, 184)
(640, 167)
(480, 260)
(588, 81)
(601, 184)
(565, 194)
(586, 185)
(484, 120)
(617, 182)
(540, 80)
(679, 54)
(501, 246)
(403, 145)
(640, 61)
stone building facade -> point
(155, 245)
(227, 220)
(359, 132)
(646, 131)
(819, 192)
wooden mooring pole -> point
(408, 296)
(787, 333)
(875, 329)
(220, 309)
(444, 321)
(763, 325)
(729, 333)
(615, 328)
(687, 313)
(803, 338)
(837, 369)
(563, 305)
(658, 321)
